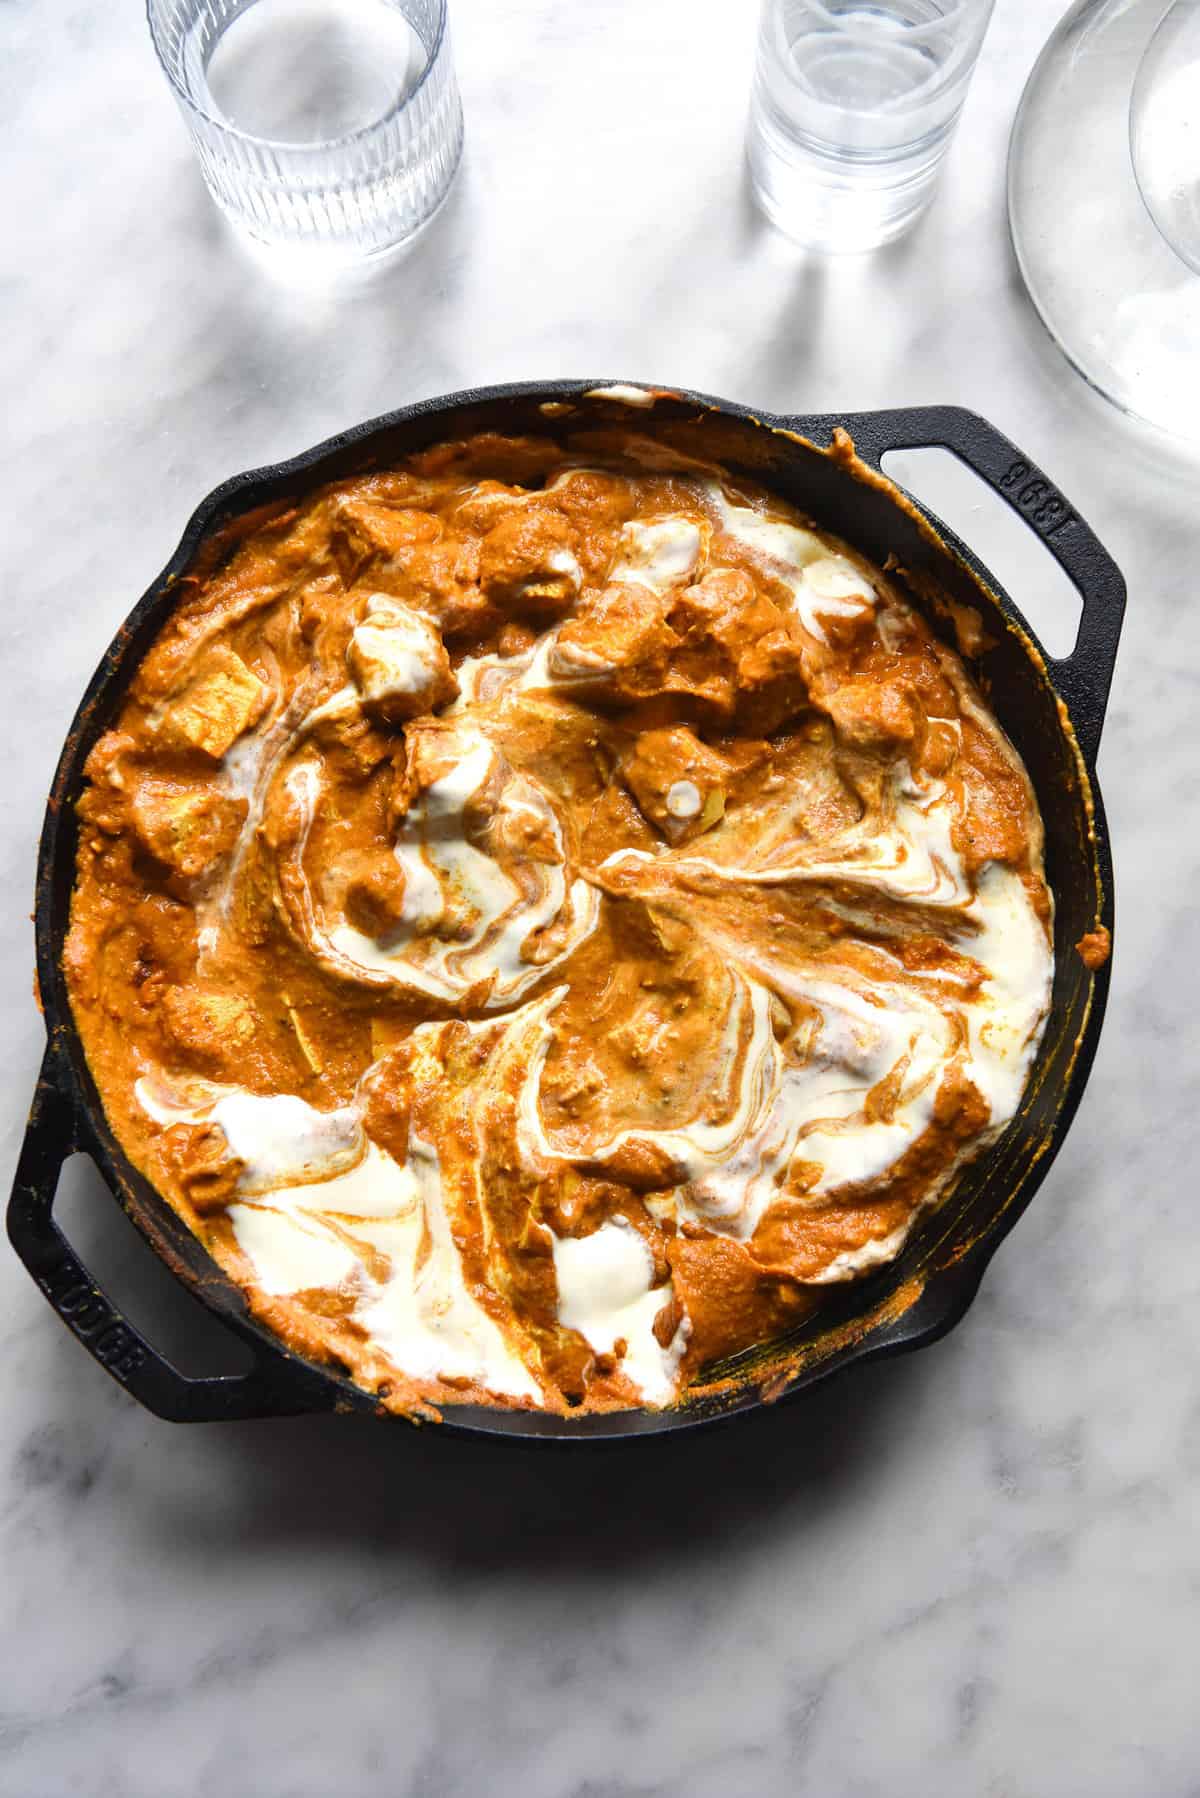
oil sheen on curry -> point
(544, 920)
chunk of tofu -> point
(873, 714)
(619, 640)
(725, 610)
(679, 782)
(442, 580)
(375, 888)
(433, 749)
(364, 529)
(527, 563)
(399, 662)
(186, 829)
(203, 1026)
(221, 700)
(772, 680)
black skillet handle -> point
(1084, 677)
(52, 1135)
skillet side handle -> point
(1085, 676)
(52, 1135)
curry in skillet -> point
(543, 922)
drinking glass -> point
(329, 125)
(853, 107)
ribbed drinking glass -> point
(329, 125)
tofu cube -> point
(222, 699)
(398, 662)
(186, 829)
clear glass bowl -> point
(1102, 202)
(333, 126)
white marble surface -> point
(974, 1571)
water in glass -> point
(853, 106)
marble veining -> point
(977, 1570)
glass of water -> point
(333, 126)
(854, 104)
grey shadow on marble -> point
(503, 1506)
(410, 1493)
(801, 336)
(263, 321)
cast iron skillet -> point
(1052, 709)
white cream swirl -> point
(315, 1196)
(822, 582)
(606, 1292)
(803, 1106)
(470, 914)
